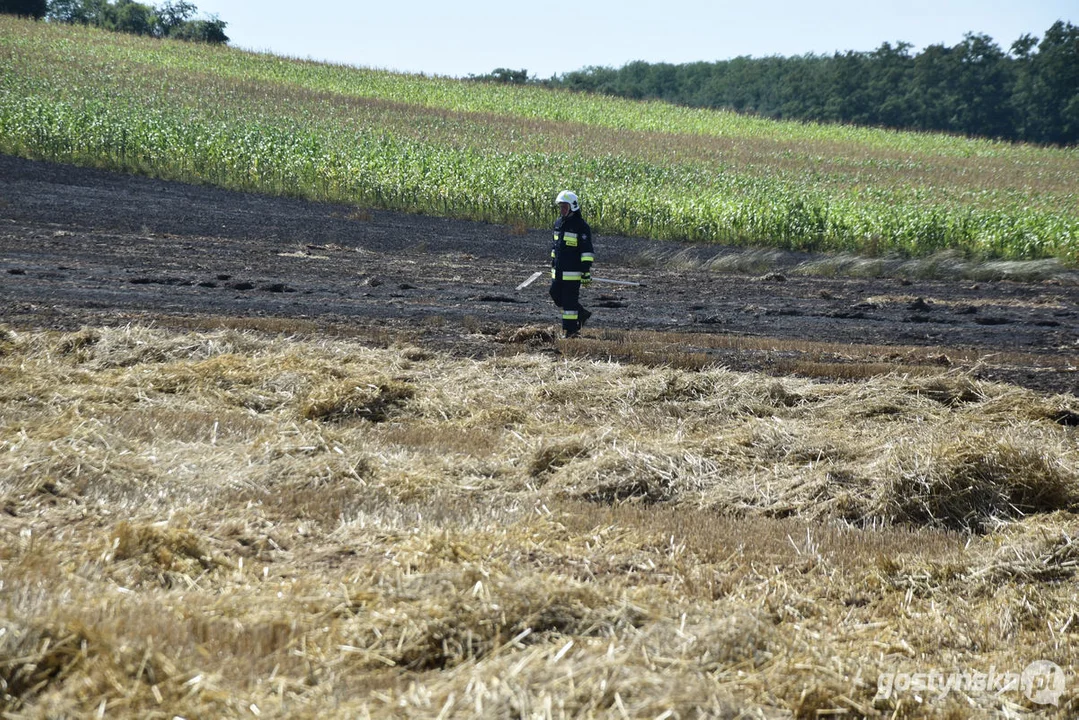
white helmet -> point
(568, 196)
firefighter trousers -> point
(566, 295)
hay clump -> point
(969, 481)
(1038, 554)
(553, 456)
(529, 335)
(55, 667)
(950, 390)
(88, 465)
(374, 400)
(35, 658)
(631, 473)
(103, 348)
(221, 373)
(8, 341)
(740, 638)
(161, 550)
(73, 343)
(1060, 409)
(325, 487)
(441, 620)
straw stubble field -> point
(390, 492)
(231, 523)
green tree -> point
(888, 83)
(1052, 86)
(130, 17)
(1022, 90)
(692, 80)
(806, 86)
(973, 88)
(174, 19)
(983, 85)
(632, 80)
(68, 11)
(933, 96)
(173, 14)
(208, 31)
(590, 79)
(503, 75)
(849, 99)
(24, 8)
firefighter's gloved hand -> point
(586, 279)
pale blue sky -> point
(476, 36)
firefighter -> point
(571, 263)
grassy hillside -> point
(499, 153)
(231, 524)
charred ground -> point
(81, 247)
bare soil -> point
(82, 247)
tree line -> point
(1030, 93)
(175, 19)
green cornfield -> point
(500, 153)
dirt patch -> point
(80, 246)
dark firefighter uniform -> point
(571, 264)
